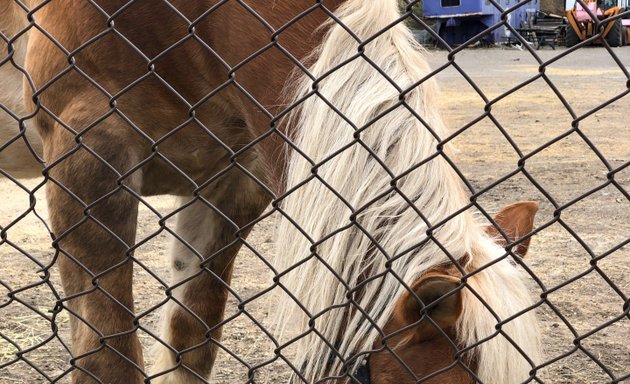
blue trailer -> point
(459, 20)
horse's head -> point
(422, 344)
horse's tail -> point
(363, 128)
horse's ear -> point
(516, 220)
(441, 294)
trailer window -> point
(450, 3)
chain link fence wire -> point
(544, 125)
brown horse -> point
(315, 106)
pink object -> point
(583, 16)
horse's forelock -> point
(494, 295)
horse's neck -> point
(266, 77)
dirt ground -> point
(531, 116)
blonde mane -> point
(360, 141)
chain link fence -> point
(525, 124)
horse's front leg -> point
(202, 257)
(94, 218)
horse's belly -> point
(194, 160)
